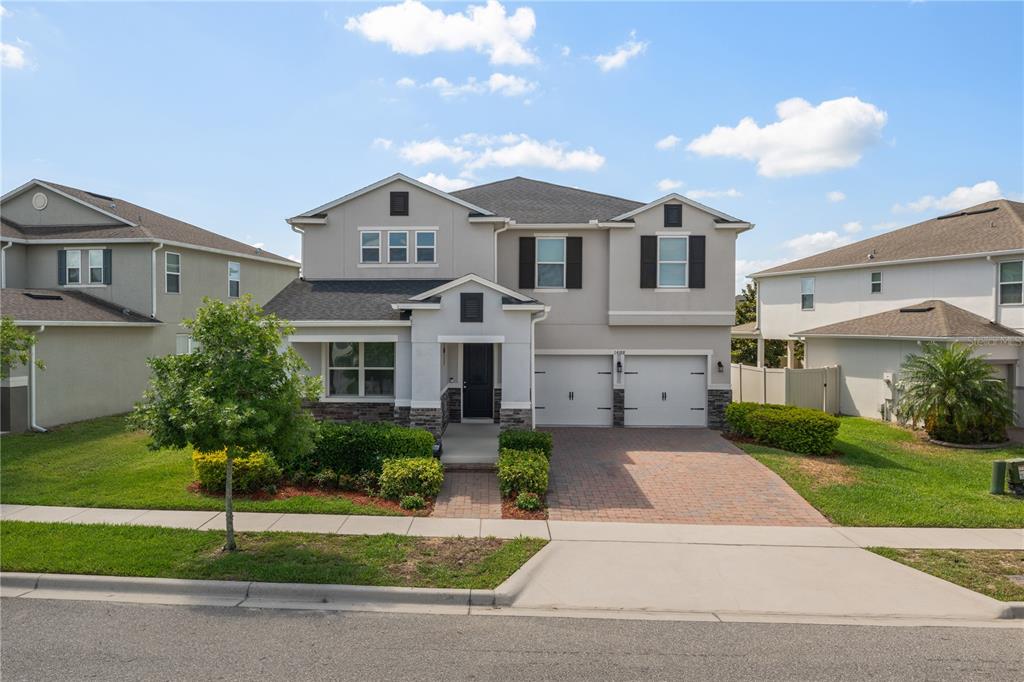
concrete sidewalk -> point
(570, 531)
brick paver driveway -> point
(666, 476)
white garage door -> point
(666, 390)
(574, 390)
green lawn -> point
(986, 571)
(476, 563)
(886, 476)
(98, 463)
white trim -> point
(564, 262)
(402, 402)
(673, 232)
(18, 190)
(592, 226)
(90, 267)
(574, 351)
(689, 202)
(488, 219)
(15, 382)
(153, 278)
(68, 268)
(342, 338)
(415, 306)
(875, 263)
(397, 265)
(387, 181)
(350, 323)
(998, 340)
(516, 405)
(530, 307)
(471, 277)
(34, 381)
(406, 261)
(552, 290)
(294, 222)
(3, 264)
(82, 323)
(416, 246)
(671, 312)
(166, 273)
(424, 404)
(82, 286)
(669, 351)
(397, 228)
(380, 244)
(684, 262)
(719, 387)
(467, 338)
(361, 368)
(382, 400)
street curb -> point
(505, 594)
(1014, 609)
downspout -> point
(35, 386)
(533, 361)
(496, 233)
(995, 289)
(157, 248)
(302, 242)
(3, 264)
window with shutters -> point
(95, 266)
(85, 267)
(672, 262)
(550, 262)
(73, 268)
(471, 307)
(673, 215)
(172, 272)
(399, 203)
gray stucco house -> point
(104, 284)
(517, 302)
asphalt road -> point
(67, 640)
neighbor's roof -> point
(533, 201)
(65, 305)
(926, 320)
(140, 223)
(745, 329)
(994, 226)
(346, 299)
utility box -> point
(1015, 476)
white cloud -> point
(4, 12)
(698, 194)
(530, 152)
(668, 142)
(961, 197)
(852, 227)
(446, 88)
(805, 139)
(444, 183)
(433, 150)
(292, 256)
(815, 242)
(257, 245)
(498, 83)
(668, 184)
(746, 267)
(405, 82)
(483, 140)
(413, 28)
(623, 53)
(381, 143)
(836, 196)
(566, 50)
(12, 56)
(886, 225)
(510, 86)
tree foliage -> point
(744, 351)
(15, 347)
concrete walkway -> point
(470, 443)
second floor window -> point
(369, 247)
(1011, 282)
(95, 266)
(398, 247)
(807, 293)
(550, 262)
(876, 282)
(672, 262)
(172, 272)
(234, 279)
(85, 266)
(74, 267)
(426, 247)
(359, 369)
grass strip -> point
(987, 571)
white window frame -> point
(68, 267)
(1016, 281)
(238, 278)
(406, 247)
(806, 293)
(92, 267)
(538, 262)
(361, 368)
(432, 247)
(188, 343)
(362, 249)
(685, 262)
(873, 282)
(168, 273)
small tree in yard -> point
(15, 347)
(237, 391)
(954, 394)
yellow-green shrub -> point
(411, 476)
(250, 473)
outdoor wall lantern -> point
(721, 367)
(618, 366)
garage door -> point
(574, 390)
(663, 390)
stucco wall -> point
(59, 211)
(15, 271)
(130, 283)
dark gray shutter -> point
(108, 266)
(697, 260)
(649, 262)
(471, 307)
(527, 262)
(574, 262)
(62, 267)
(673, 215)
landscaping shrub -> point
(797, 429)
(522, 471)
(256, 471)
(325, 479)
(353, 448)
(411, 476)
(366, 482)
(737, 416)
(528, 501)
(412, 502)
(522, 439)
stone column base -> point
(618, 407)
(428, 418)
(402, 415)
(497, 406)
(718, 398)
(454, 398)
(513, 418)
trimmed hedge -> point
(522, 471)
(523, 439)
(797, 429)
(357, 447)
(411, 476)
(256, 471)
(737, 416)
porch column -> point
(760, 351)
(425, 408)
(516, 408)
(791, 354)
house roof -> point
(319, 210)
(746, 329)
(993, 226)
(534, 201)
(926, 320)
(346, 299)
(65, 306)
(129, 221)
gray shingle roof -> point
(148, 225)
(990, 227)
(925, 320)
(533, 201)
(346, 299)
(64, 305)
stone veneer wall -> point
(429, 418)
(354, 412)
(454, 398)
(402, 415)
(618, 407)
(718, 398)
(514, 418)
(445, 410)
(496, 406)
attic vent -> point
(39, 201)
(472, 307)
(959, 214)
(918, 309)
(45, 297)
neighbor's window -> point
(74, 267)
(183, 344)
(172, 272)
(369, 247)
(807, 293)
(398, 247)
(357, 369)
(876, 282)
(426, 247)
(234, 278)
(1011, 282)
(550, 262)
(672, 260)
(95, 266)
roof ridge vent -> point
(960, 214)
(917, 309)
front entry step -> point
(469, 466)
(473, 445)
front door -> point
(478, 380)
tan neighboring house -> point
(104, 284)
(868, 305)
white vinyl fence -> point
(817, 387)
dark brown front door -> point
(477, 380)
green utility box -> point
(1015, 475)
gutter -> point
(3, 264)
(533, 362)
(35, 384)
(995, 288)
(155, 249)
(302, 241)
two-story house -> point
(516, 302)
(104, 284)
(867, 305)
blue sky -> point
(234, 116)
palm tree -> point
(955, 394)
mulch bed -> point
(509, 510)
(285, 492)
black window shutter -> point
(673, 215)
(697, 261)
(62, 267)
(649, 262)
(399, 203)
(574, 262)
(108, 266)
(472, 307)
(527, 261)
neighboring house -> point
(867, 305)
(104, 284)
(517, 302)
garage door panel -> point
(663, 390)
(574, 390)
